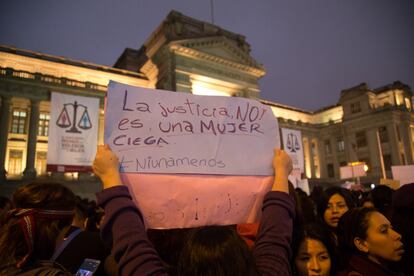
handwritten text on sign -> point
(157, 131)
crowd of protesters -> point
(46, 230)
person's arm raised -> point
(123, 225)
(282, 165)
(106, 166)
(272, 249)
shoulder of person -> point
(41, 268)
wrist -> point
(112, 179)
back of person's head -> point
(216, 250)
(5, 202)
(316, 193)
(308, 208)
(403, 222)
(42, 211)
(5, 205)
(93, 221)
(322, 251)
(381, 197)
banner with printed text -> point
(292, 144)
(191, 160)
(73, 133)
(155, 131)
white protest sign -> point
(156, 131)
(346, 172)
(73, 133)
(352, 171)
(303, 184)
(292, 144)
(405, 174)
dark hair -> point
(381, 197)
(216, 250)
(5, 205)
(46, 196)
(318, 232)
(403, 222)
(4, 202)
(353, 224)
(324, 200)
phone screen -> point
(88, 267)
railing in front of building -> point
(12, 73)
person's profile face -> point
(313, 259)
(334, 210)
(382, 242)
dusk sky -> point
(311, 49)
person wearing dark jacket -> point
(124, 226)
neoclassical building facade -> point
(374, 125)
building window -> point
(355, 107)
(330, 169)
(340, 143)
(383, 135)
(15, 162)
(387, 161)
(328, 149)
(41, 159)
(19, 121)
(361, 139)
(43, 124)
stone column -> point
(407, 142)
(307, 156)
(30, 171)
(4, 131)
(394, 144)
(317, 155)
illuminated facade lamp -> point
(199, 89)
(202, 85)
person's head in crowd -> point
(403, 222)
(308, 209)
(334, 203)
(5, 205)
(368, 233)
(81, 213)
(366, 200)
(316, 193)
(43, 211)
(216, 250)
(94, 219)
(314, 252)
(381, 197)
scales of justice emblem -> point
(292, 142)
(64, 120)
